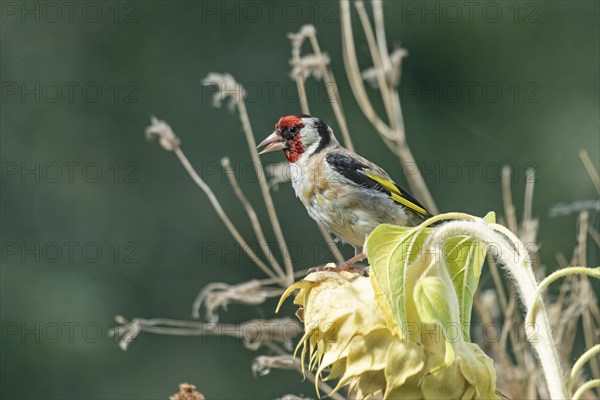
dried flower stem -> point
(528, 202)
(395, 116)
(508, 322)
(302, 95)
(511, 316)
(334, 94)
(278, 330)
(262, 241)
(509, 208)
(589, 166)
(253, 292)
(393, 136)
(594, 234)
(498, 283)
(375, 56)
(581, 249)
(264, 187)
(354, 76)
(335, 251)
(221, 213)
(298, 366)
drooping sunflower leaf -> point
(464, 257)
(391, 249)
(436, 305)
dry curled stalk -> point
(219, 295)
(254, 333)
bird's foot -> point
(345, 266)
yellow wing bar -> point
(396, 194)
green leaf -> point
(464, 258)
(390, 250)
(398, 260)
(433, 299)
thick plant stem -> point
(519, 267)
(544, 346)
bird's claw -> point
(363, 271)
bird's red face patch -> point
(295, 149)
(289, 128)
(288, 122)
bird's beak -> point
(273, 142)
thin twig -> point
(594, 234)
(498, 283)
(486, 319)
(262, 241)
(528, 202)
(335, 251)
(393, 138)
(264, 187)
(561, 259)
(509, 208)
(375, 56)
(251, 332)
(354, 76)
(306, 373)
(395, 114)
(415, 179)
(509, 324)
(302, 95)
(334, 94)
(589, 166)
(221, 213)
(581, 249)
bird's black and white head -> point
(299, 136)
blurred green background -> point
(79, 83)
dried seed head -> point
(228, 89)
(161, 130)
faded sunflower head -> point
(401, 333)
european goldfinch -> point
(343, 192)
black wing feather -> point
(353, 169)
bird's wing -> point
(364, 173)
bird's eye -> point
(293, 130)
